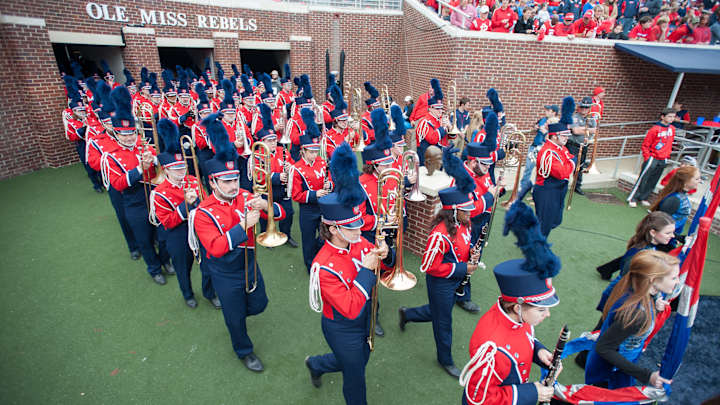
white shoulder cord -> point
(152, 218)
(436, 244)
(545, 164)
(193, 241)
(105, 170)
(315, 296)
(484, 358)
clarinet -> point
(476, 252)
(559, 347)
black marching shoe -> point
(135, 255)
(314, 377)
(469, 306)
(253, 363)
(216, 303)
(98, 190)
(160, 279)
(379, 331)
(191, 303)
(403, 319)
(452, 370)
(169, 269)
(578, 190)
(292, 242)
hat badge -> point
(387, 152)
(125, 123)
(356, 210)
(230, 165)
(178, 156)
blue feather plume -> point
(337, 98)
(90, 83)
(202, 96)
(167, 77)
(235, 70)
(128, 77)
(207, 64)
(380, 126)
(170, 135)
(228, 88)
(144, 75)
(267, 82)
(345, 175)
(266, 114)
(492, 95)
(454, 168)
(297, 81)
(372, 91)
(123, 104)
(567, 110)
(247, 70)
(104, 66)
(206, 78)
(311, 128)
(397, 116)
(76, 69)
(435, 84)
(330, 81)
(287, 70)
(491, 130)
(246, 84)
(224, 150)
(307, 88)
(539, 259)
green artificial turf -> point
(83, 324)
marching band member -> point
(365, 121)
(182, 112)
(376, 158)
(494, 143)
(247, 109)
(75, 122)
(104, 142)
(268, 99)
(285, 96)
(432, 128)
(342, 280)
(398, 145)
(296, 124)
(131, 85)
(477, 165)
(219, 91)
(207, 73)
(308, 184)
(128, 169)
(446, 260)
(555, 167)
(223, 223)
(170, 205)
(169, 93)
(503, 345)
(329, 104)
(198, 133)
(281, 166)
(108, 75)
(340, 131)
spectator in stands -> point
(682, 116)
(503, 18)
(525, 24)
(686, 161)
(432, 4)
(674, 15)
(617, 32)
(684, 33)
(565, 29)
(463, 14)
(482, 22)
(542, 13)
(702, 34)
(612, 10)
(585, 27)
(715, 26)
(605, 23)
(650, 8)
(462, 114)
(276, 86)
(643, 30)
(661, 29)
(627, 13)
(664, 11)
(571, 6)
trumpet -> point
(516, 139)
(323, 147)
(262, 185)
(411, 164)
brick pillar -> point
(141, 50)
(420, 215)
(301, 61)
(33, 134)
(227, 51)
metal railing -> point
(372, 4)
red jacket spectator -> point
(605, 27)
(656, 32)
(682, 34)
(421, 107)
(480, 24)
(432, 4)
(563, 29)
(585, 27)
(658, 142)
(641, 33)
(503, 19)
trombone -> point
(411, 164)
(452, 114)
(385, 99)
(186, 140)
(358, 143)
(262, 185)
